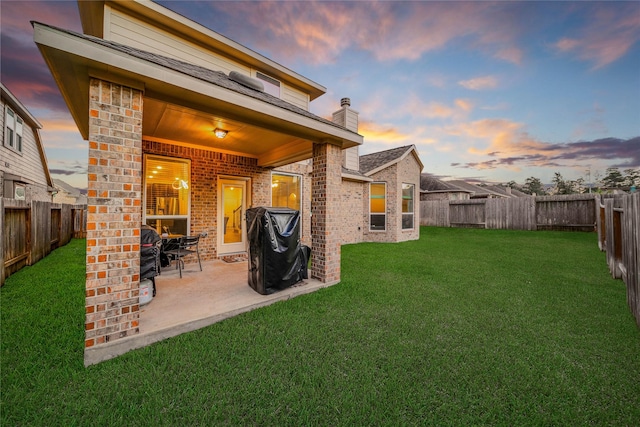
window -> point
(377, 206)
(286, 191)
(13, 130)
(20, 192)
(271, 85)
(407, 206)
(167, 194)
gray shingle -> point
(372, 161)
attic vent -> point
(246, 81)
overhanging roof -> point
(184, 102)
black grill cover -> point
(277, 259)
(149, 252)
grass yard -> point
(463, 327)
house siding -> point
(114, 213)
(26, 164)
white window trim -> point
(377, 213)
(12, 121)
(413, 212)
(301, 195)
(146, 217)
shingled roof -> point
(371, 163)
(217, 78)
(431, 184)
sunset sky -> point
(495, 91)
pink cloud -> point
(321, 31)
(609, 35)
(480, 83)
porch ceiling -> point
(176, 124)
(185, 107)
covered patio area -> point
(199, 299)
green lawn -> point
(463, 327)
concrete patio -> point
(198, 299)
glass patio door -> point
(232, 204)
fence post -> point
(601, 224)
(631, 252)
(2, 277)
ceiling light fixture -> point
(220, 133)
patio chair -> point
(187, 245)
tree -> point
(568, 186)
(613, 178)
(533, 185)
(631, 177)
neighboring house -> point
(435, 189)
(507, 192)
(24, 174)
(186, 130)
(65, 193)
(478, 192)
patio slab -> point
(197, 300)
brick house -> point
(24, 174)
(186, 130)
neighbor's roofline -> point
(35, 125)
(19, 107)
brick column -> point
(325, 207)
(114, 212)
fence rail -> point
(619, 236)
(31, 230)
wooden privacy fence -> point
(31, 230)
(569, 212)
(619, 236)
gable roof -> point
(430, 184)
(61, 185)
(33, 123)
(374, 162)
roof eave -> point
(72, 60)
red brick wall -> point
(351, 210)
(325, 222)
(114, 212)
(206, 166)
(406, 171)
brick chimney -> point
(348, 118)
